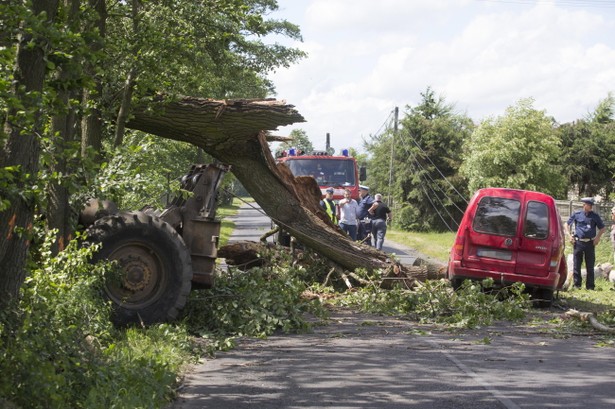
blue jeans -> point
(588, 250)
(350, 229)
(379, 229)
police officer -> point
(584, 240)
(365, 219)
(329, 205)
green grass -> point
(436, 245)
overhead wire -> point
(440, 172)
(418, 165)
(384, 124)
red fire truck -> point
(339, 172)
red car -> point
(511, 236)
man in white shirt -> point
(348, 208)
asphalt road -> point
(365, 361)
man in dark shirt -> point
(365, 222)
(381, 215)
(584, 240)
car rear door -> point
(537, 237)
(493, 237)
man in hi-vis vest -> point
(329, 205)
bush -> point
(58, 348)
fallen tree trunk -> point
(247, 254)
(234, 132)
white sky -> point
(367, 56)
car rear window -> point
(536, 221)
(497, 215)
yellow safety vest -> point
(330, 209)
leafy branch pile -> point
(434, 301)
(253, 303)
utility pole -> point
(395, 118)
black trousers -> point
(365, 228)
(588, 251)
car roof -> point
(519, 194)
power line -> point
(384, 124)
(434, 165)
(435, 195)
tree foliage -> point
(300, 141)
(426, 158)
(94, 59)
(518, 150)
(588, 151)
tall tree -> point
(20, 151)
(518, 150)
(67, 58)
(588, 151)
(426, 160)
(92, 118)
(299, 140)
(202, 48)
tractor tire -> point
(156, 269)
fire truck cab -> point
(339, 172)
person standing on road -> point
(381, 216)
(365, 222)
(347, 208)
(329, 205)
(584, 240)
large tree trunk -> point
(92, 123)
(63, 131)
(59, 215)
(22, 149)
(130, 83)
(233, 132)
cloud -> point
(367, 57)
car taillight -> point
(554, 258)
(458, 247)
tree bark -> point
(63, 131)
(92, 123)
(22, 149)
(129, 84)
(234, 133)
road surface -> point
(366, 361)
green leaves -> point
(518, 150)
(426, 159)
(472, 305)
(253, 303)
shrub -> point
(58, 348)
